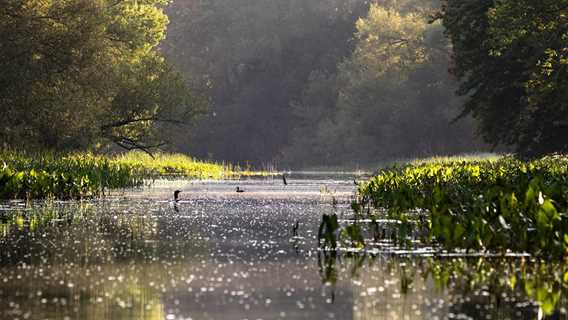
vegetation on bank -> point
(165, 165)
(48, 175)
(496, 205)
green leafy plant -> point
(496, 205)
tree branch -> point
(131, 144)
(124, 122)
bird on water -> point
(239, 190)
(295, 228)
(284, 179)
(176, 195)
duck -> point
(176, 195)
(240, 190)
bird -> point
(176, 194)
(295, 228)
(240, 190)
(284, 179)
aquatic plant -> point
(165, 165)
(496, 205)
(172, 165)
(48, 175)
(492, 279)
(328, 231)
(65, 177)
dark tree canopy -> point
(299, 83)
(512, 59)
(77, 73)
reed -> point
(81, 175)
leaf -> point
(458, 233)
(504, 223)
(530, 195)
(512, 282)
(550, 210)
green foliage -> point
(353, 235)
(391, 98)
(67, 177)
(77, 73)
(512, 59)
(538, 280)
(503, 204)
(85, 175)
(172, 165)
(463, 278)
(328, 231)
(253, 59)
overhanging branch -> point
(125, 122)
(132, 144)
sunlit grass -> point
(165, 165)
(172, 165)
(49, 175)
(457, 158)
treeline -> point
(312, 83)
(79, 75)
(511, 57)
(300, 83)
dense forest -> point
(318, 83)
(79, 75)
(296, 83)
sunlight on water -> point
(219, 254)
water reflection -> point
(461, 288)
(223, 255)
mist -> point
(304, 84)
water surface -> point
(218, 254)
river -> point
(219, 254)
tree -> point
(512, 59)
(253, 59)
(77, 73)
(390, 99)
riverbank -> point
(71, 176)
(481, 204)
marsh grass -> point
(48, 175)
(471, 157)
(169, 165)
(172, 165)
(71, 176)
(487, 204)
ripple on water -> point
(218, 254)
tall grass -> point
(164, 165)
(49, 175)
(172, 165)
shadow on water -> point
(217, 254)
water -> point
(218, 254)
